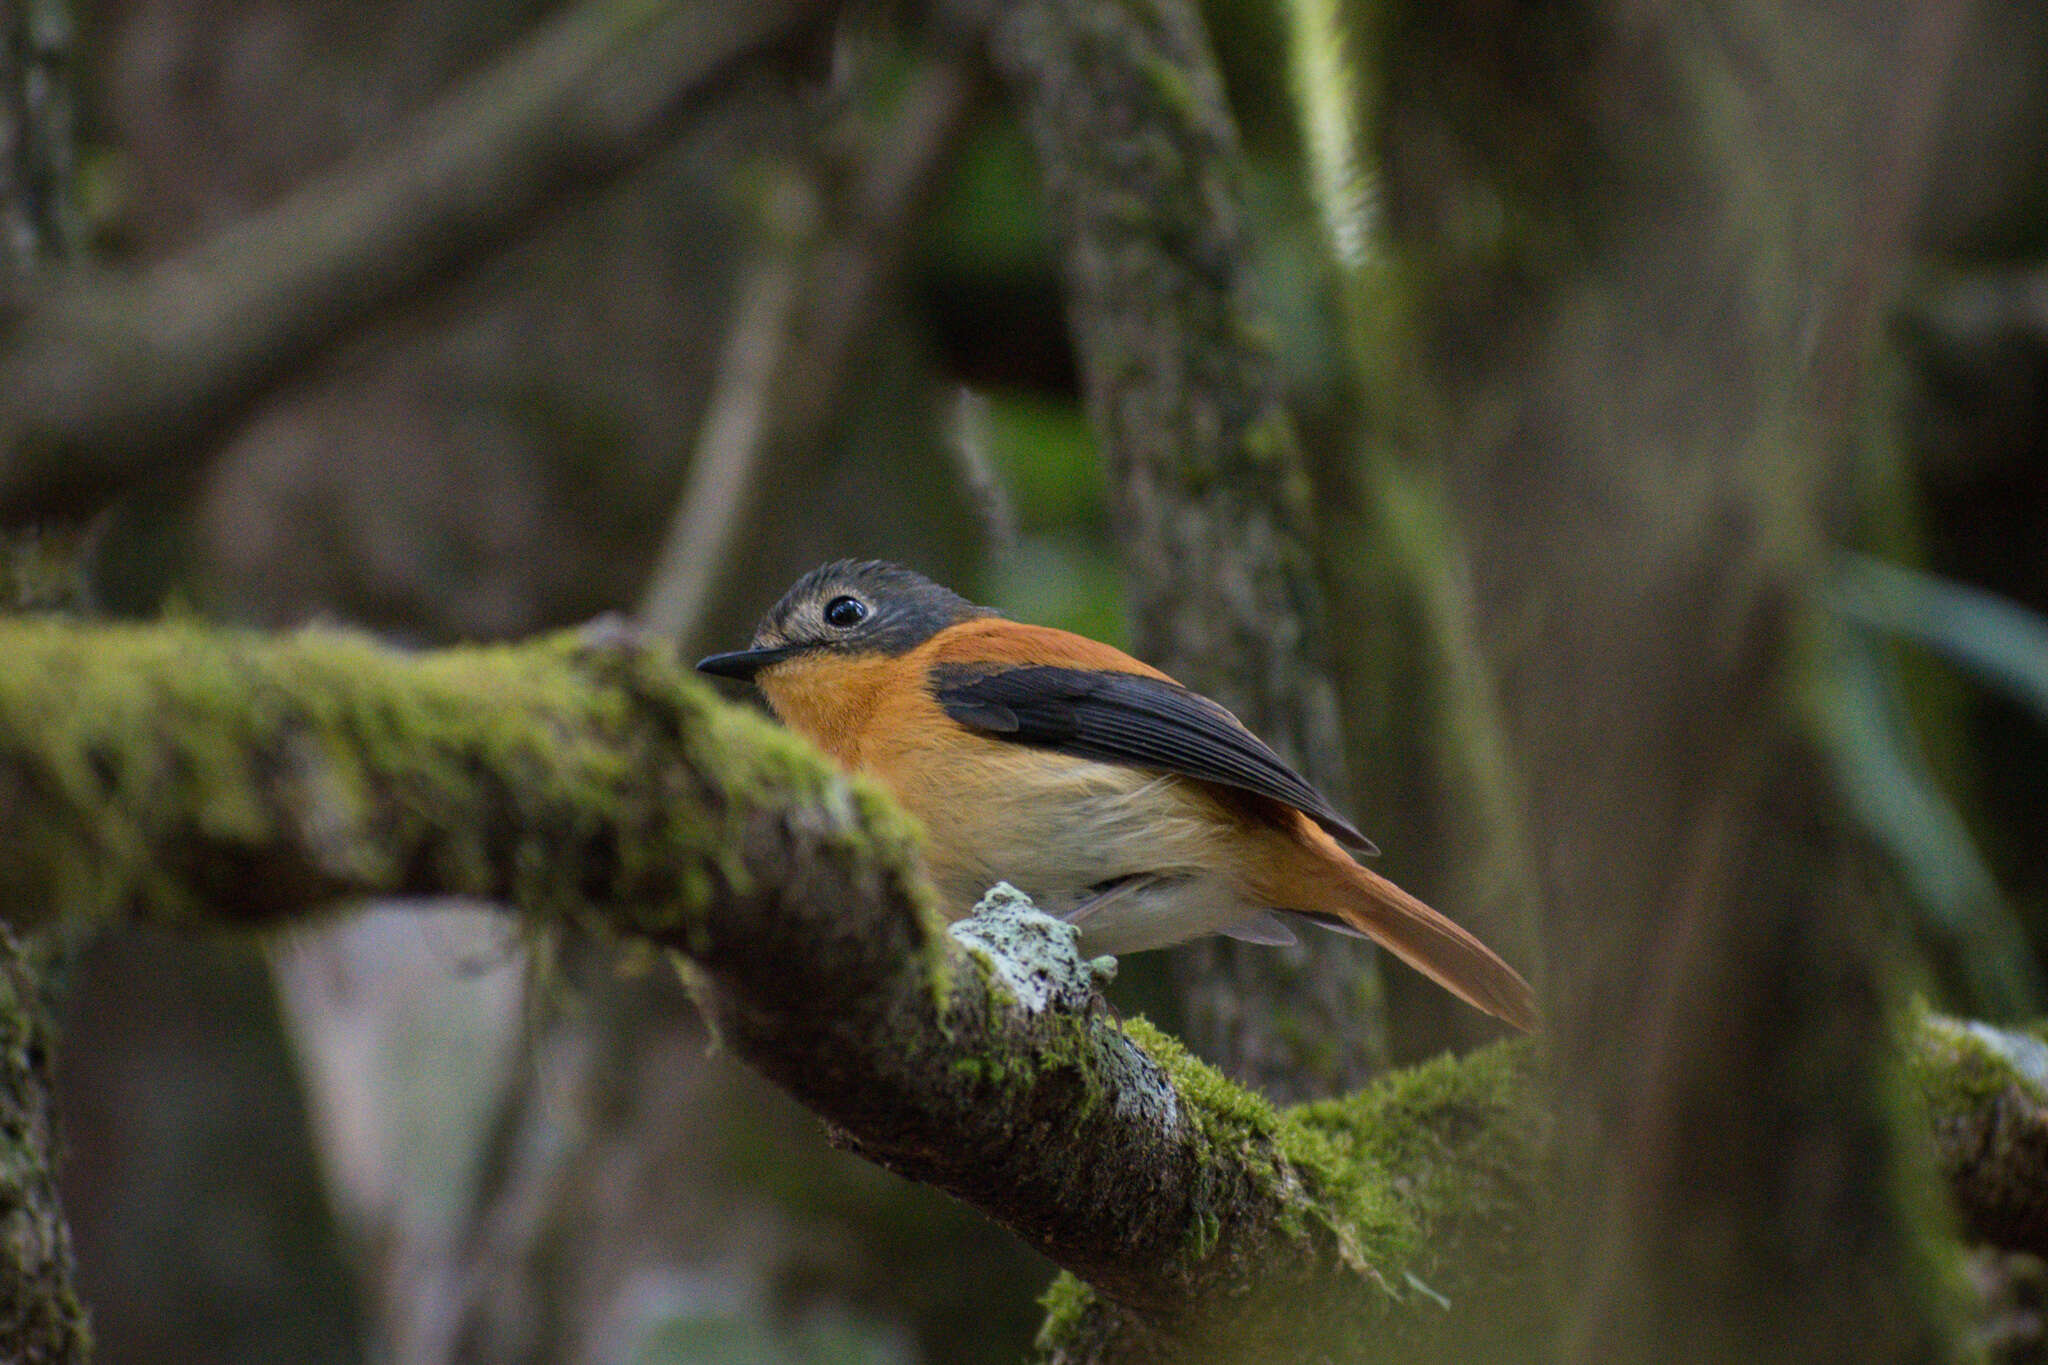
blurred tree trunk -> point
(1646, 531)
(1210, 500)
(1645, 536)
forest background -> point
(1603, 443)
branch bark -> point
(200, 779)
(108, 380)
(1986, 1091)
(41, 1322)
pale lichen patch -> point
(1030, 954)
(1141, 1089)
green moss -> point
(995, 1071)
(1957, 1068)
(1399, 1178)
(1225, 1110)
(471, 770)
(977, 1070)
(1388, 1168)
(1067, 1300)
(1377, 1171)
(1936, 1278)
(1207, 1230)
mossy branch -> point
(1986, 1091)
(206, 779)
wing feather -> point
(1134, 718)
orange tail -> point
(1422, 938)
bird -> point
(1139, 810)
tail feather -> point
(1432, 944)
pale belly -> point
(1128, 854)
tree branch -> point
(1986, 1091)
(195, 778)
(108, 380)
(729, 447)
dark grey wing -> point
(1129, 718)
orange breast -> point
(992, 809)
(837, 700)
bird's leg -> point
(1107, 893)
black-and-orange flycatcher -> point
(1143, 812)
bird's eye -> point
(843, 613)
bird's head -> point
(847, 607)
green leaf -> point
(1892, 791)
(1998, 640)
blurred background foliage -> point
(381, 1143)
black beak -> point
(744, 663)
